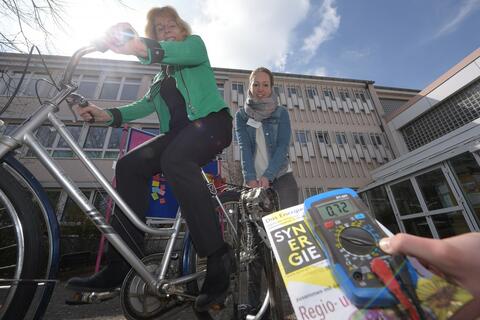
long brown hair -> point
(261, 69)
(164, 11)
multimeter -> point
(343, 227)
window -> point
(418, 226)
(322, 137)
(62, 150)
(100, 201)
(113, 145)
(130, 89)
(87, 86)
(53, 143)
(278, 90)
(301, 137)
(9, 81)
(376, 140)
(381, 208)
(344, 95)
(291, 91)
(238, 87)
(435, 190)
(359, 138)
(341, 138)
(311, 93)
(110, 88)
(221, 90)
(360, 96)
(362, 139)
(102, 142)
(450, 114)
(356, 138)
(405, 198)
(467, 172)
(114, 88)
(93, 145)
(329, 93)
(313, 191)
(34, 80)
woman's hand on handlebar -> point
(92, 113)
(122, 38)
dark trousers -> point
(179, 155)
(287, 190)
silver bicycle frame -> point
(23, 135)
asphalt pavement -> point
(106, 310)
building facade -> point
(338, 124)
(433, 188)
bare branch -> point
(21, 17)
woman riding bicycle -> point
(195, 125)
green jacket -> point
(195, 81)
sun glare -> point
(88, 20)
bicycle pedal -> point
(80, 298)
(77, 298)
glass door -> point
(427, 204)
(466, 170)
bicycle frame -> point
(24, 135)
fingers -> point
(432, 251)
(252, 183)
(90, 113)
(86, 114)
(118, 35)
(263, 182)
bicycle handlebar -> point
(75, 59)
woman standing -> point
(195, 124)
(263, 131)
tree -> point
(23, 16)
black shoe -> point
(217, 281)
(107, 279)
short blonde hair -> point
(164, 11)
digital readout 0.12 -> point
(336, 208)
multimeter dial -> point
(357, 241)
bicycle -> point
(29, 230)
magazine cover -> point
(313, 290)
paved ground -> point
(111, 309)
(107, 310)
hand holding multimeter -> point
(349, 236)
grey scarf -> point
(260, 109)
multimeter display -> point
(336, 208)
(343, 227)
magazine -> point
(313, 290)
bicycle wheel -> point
(20, 247)
(240, 237)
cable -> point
(14, 94)
(36, 88)
(27, 64)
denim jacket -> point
(277, 132)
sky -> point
(406, 44)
